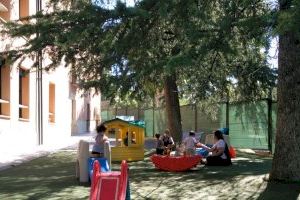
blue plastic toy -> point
(103, 162)
(225, 131)
(201, 151)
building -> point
(38, 108)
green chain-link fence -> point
(251, 124)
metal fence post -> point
(227, 114)
(270, 128)
(196, 117)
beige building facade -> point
(32, 117)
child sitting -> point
(159, 145)
(190, 144)
(179, 150)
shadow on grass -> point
(53, 177)
(275, 190)
(48, 177)
(242, 180)
(243, 166)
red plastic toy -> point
(175, 163)
(109, 185)
(232, 152)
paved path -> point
(12, 156)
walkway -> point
(13, 156)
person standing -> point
(101, 138)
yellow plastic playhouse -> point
(129, 140)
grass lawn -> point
(53, 177)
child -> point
(126, 140)
(159, 145)
(179, 150)
(101, 138)
(190, 144)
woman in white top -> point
(219, 153)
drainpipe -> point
(39, 90)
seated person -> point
(180, 150)
(126, 140)
(219, 153)
(168, 142)
(159, 145)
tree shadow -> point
(147, 182)
(277, 190)
(52, 176)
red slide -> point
(109, 185)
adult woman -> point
(101, 138)
(168, 142)
(219, 155)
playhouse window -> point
(112, 133)
(133, 138)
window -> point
(23, 94)
(5, 9)
(23, 8)
(51, 102)
(4, 90)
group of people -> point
(218, 153)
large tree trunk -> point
(173, 107)
(286, 162)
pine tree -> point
(182, 47)
(286, 161)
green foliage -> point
(288, 18)
(214, 47)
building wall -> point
(66, 120)
(86, 121)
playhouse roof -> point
(130, 123)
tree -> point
(286, 161)
(182, 46)
(172, 41)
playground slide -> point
(109, 185)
